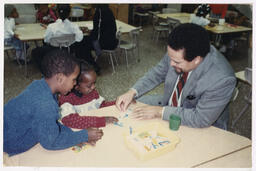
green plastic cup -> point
(174, 122)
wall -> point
(120, 11)
(27, 13)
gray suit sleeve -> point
(152, 78)
(209, 107)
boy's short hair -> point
(194, 39)
(58, 61)
(8, 10)
(63, 11)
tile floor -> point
(111, 85)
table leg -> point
(25, 58)
(217, 40)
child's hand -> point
(43, 25)
(16, 36)
(85, 29)
(81, 144)
(110, 119)
(94, 134)
(92, 143)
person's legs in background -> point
(83, 50)
(39, 52)
(18, 46)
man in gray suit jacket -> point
(204, 97)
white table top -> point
(35, 31)
(239, 159)
(182, 17)
(197, 146)
(227, 28)
(218, 29)
(240, 76)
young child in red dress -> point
(84, 97)
(45, 15)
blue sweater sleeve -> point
(51, 134)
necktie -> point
(178, 89)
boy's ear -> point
(76, 87)
(60, 78)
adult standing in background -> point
(198, 81)
(103, 35)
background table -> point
(35, 31)
(198, 147)
(217, 29)
(226, 28)
(182, 17)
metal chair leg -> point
(243, 110)
(158, 34)
(126, 57)
(111, 59)
(8, 54)
(153, 35)
(114, 54)
(240, 114)
(138, 51)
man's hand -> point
(123, 101)
(110, 119)
(94, 134)
(147, 112)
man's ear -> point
(197, 59)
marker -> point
(118, 124)
(130, 130)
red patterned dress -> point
(74, 120)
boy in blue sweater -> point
(32, 117)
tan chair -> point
(10, 48)
(158, 29)
(247, 98)
(141, 16)
(132, 45)
(63, 41)
(152, 13)
(112, 53)
(76, 13)
(172, 23)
